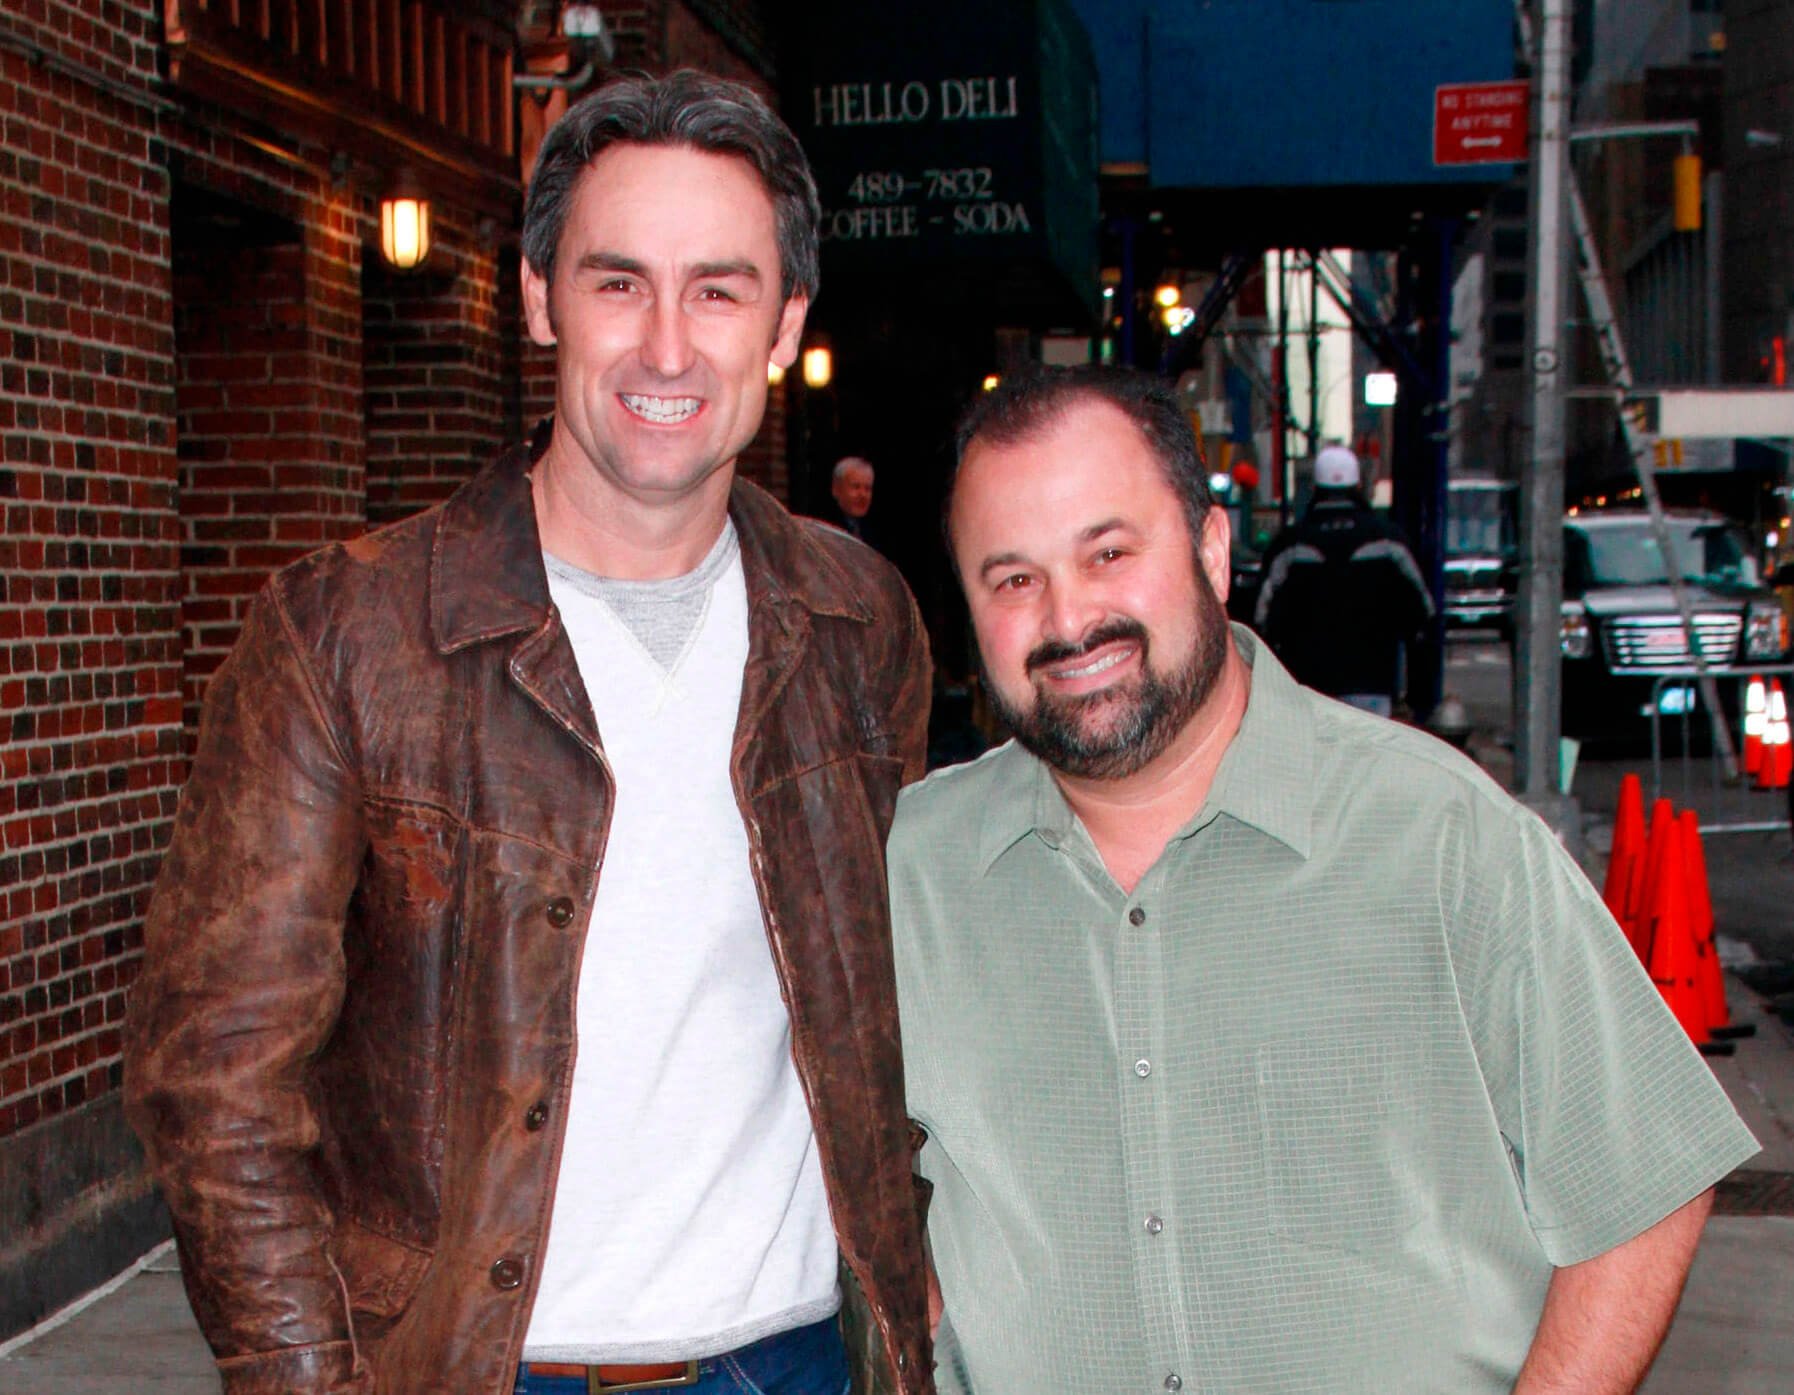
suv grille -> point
(1657, 641)
(1472, 576)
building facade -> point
(207, 369)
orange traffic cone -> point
(1641, 900)
(1628, 847)
(1675, 962)
(1700, 906)
(1778, 754)
(1756, 717)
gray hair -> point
(684, 108)
(853, 462)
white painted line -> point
(84, 1302)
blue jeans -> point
(804, 1361)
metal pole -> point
(1426, 679)
(1538, 656)
(1286, 467)
(1713, 231)
(1314, 359)
(1126, 291)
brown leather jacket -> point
(350, 1049)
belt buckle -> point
(597, 1385)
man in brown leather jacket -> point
(517, 1010)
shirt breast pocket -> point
(1341, 1123)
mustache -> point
(1057, 651)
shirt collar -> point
(1265, 779)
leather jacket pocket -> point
(381, 1274)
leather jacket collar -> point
(487, 578)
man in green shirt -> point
(1262, 1045)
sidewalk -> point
(1734, 1334)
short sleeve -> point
(1612, 1117)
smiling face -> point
(664, 310)
(1100, 626)
(852, 489)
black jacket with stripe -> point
(1341, 594)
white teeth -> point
(1106, 662)
(661, 410)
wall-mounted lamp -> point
(405, 226)
(819, 367)
(774, 373)
(990, 382)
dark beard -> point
(1148, 712)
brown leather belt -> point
(602, 1380)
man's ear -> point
(1215, 549)
(536, 312)
(791, 330)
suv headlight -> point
(1578, 639)
(1765, 631)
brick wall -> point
(201, 377)
(439, 363)
(89, 639)
(90, 654)
(229, 309)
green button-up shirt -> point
(1317, 1108)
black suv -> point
(1622, 631)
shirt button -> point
(1154, 1225)
(535, 1116)
(560, 912)
(1143, 1068)
(1174, 1381)
(1137, 916)
(506, 1273)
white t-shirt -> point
(689, 1216)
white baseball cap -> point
(1335, 467)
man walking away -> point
(1342, 593)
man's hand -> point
(1605, 1318)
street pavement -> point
(1734, 1333)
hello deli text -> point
(895, 203)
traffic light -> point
(1688, 193)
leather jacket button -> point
(560, 912)
(507, 1273)
(535, 1116)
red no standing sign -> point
(1481, 123)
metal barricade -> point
(1735, 807)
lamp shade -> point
(819, 367)
(404, 230)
